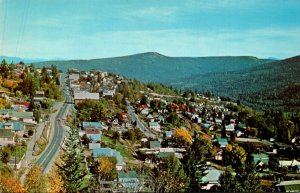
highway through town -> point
(52, 149)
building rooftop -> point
(261, 157)
(86, 95)
(287, 183)
(94, 137)
(16, 126)
(109, 153)
(92, 124)
(6, 133)
(212, 175)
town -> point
(93, 131)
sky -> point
(87, 29)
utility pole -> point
(34, 140)
(15, 153)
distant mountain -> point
(273, 58)
(154, 67)
(275, 84)
(13, 59)
(262, 83)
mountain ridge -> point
(272, 84)
(140, 65)
(239, 77)
(16, 59)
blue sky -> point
(86, 29)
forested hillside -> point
(261, 83)
(273, 85)
(154, 67)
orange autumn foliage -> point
(174, 107)
(184, 135)
(11, 84)
(35, 179)
(9, 183)
(55, 183)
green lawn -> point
(118, 146)
(20, 152)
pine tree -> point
(196, 165)
(72, 170)
(228, 183)
(248, 177)
(245, 180)
(4, 70)
(168, 175)
(4, 155)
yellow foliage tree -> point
(228, 147)
(55, 183)
(11, 84)
(4, 103)
(9, 183)
(239, 153)
(106, 167)
(35, 180)
(183, 134)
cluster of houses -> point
(13, 123)
(92, 85)
(216, 121)
(93, 130)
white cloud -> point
(161, 13)
(281, 43)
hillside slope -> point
(262, 83)
(154, 67)
(10, 59)
(274, 84)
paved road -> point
(56, 140)
(134, 117)
(54, 146)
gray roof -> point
(229, 127)
(94, 145)
(212, 175)
(24, 115)
(261, 157)
(86, 95)
(288, 183)
(6, 133)
(129, 179)
(74, 76)
(109, 153)
(153, 124)
(154, 144)
(92, 124)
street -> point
(134, 118)
(57, 133)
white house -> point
(82, 96)
(154, 125)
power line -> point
(23, 26)
(4, 11)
